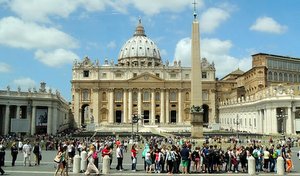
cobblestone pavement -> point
(47, 166)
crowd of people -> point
(159, 154)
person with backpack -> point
(90, 157)
(133, 157)
(196, 159)
(170, 158)
(119, 154)
(37, 151)
(146, 149)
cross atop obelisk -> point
(196, 81)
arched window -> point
(146, 96)
(157, 96)
(280, 77)
(275, 76)
(173, 96)
(290, 78)
(85, 95)
(134, 96)
(187, 96)
(119, 94)
(104, 98)
(285, 77)
(270, 76)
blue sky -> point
(39, 39)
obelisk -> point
(196, 82)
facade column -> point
(179, 106)
(162, 106)
(266, 122)
(111, 106)
(125, 107)
(33, 120)
(140, 104)
(289, 121)
(95, 102)
(7, 119)
(18, 112)
(129, 105)
(274, 121)
(55, 120)
(77, 108)
(152, 106)
(167, 106)
(49, 120)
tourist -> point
(61, 161)
(170, 157)
(289, 162)
(119, 154)
(146, 149)
(91, 166)
(14, 153)
(2, 153)
(266, 157)
(37, 151)
(133, 157)
(185, 155)
(26, 153)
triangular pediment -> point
(145, 77)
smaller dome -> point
(139, 50)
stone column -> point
(129, 105)
(7, 120)
(289, 122)
(77, 108)
(180, 106)
(162, 106)
(54, 120)
(152, 121)
(266, 121)
(33, 120)
(125, 107)
(274, 121)
(49, 120)
(167, 107)
(18, 112)
(140, 104)
(95, 102)
(111, 106)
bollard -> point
(106, 165)
(251, 165)
(83, 164)
(76, 164)
(280, 166)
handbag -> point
(57, 158)
(134, 160)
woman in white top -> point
(91, 166)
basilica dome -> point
(139, 50)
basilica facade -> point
(140, 84)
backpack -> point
(255, 155)
(95, 155)
(275, 154)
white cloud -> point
(41, 10)
(111, 45)
(4, 67)
(211, 19)
(267, 24)
(17, 33)
(157, 6)
(24, 83)
(214, 50)
(56, 58)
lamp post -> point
(281, 116)
(237, 122)
(133, 121)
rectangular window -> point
(118, 75)
(204, 75)
(173, 75)
(134, 74)
(205, 95)
(187, 76)
(86, 73)
(157, 74)
(104, 75)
